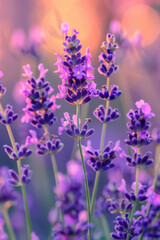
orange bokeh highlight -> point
(142, 19)
(81, 16)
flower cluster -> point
(8, 116)
(74, 130)
(20, 153)
(46, 146)
(25, 178)
(40, 107)
(101, 161)
(75, 71)
(100, 114)
(107, 58)
(7, 193)
(69, 194)
(139, 125)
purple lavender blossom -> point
(122, 227)
(138, 159)
(46, 146)
(111, 95)
(8, 116)
(6, 191)
(22, 152)
(40, 106)
(112, 114)
(25, 178)
(139, 125)
(101, 161)
(73, 130)
(75, 71)
(70, 199)
(107, 58)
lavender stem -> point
(96, 182)
(28, 219)
(85, 176)
(136, 193)
(9, 225)
(155, 180)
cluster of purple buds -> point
(151, 218)
(101, 161)
(141, 139)
(40, 106)
(122, 227)
(67, 232)
(7, 193)
(139, 125)
(21, 153)
(70, 196)
(70, 199)
(25, 178)
(138, 159)
(75, 71)
(74, 130)
(107, 58)
(112, 114)
(46, 146)
(8, 116)
(111, 94)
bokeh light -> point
(143, 19)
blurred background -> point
(30, 34)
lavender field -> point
(79, 120)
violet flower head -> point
(8, 116)
(138, 159)
(7, 192)
(101, 161)
(40, 106)
(122, 227)
(75, 71)
(21, 153)
(112, 114)
(72, 129)
(107, 58)
(48, 146)
(25, 178)
(70, 198)
(139, 124)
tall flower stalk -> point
(107, 67)
(77, 88)
(7, 116)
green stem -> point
(96, 182)
(136, 193)
(9, 225)
(55, 170)
(28, 219)
(105, 227)
(85, 175)
(95, 191)
(155, 180)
